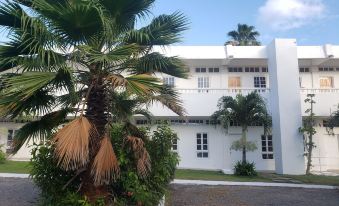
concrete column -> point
(285, 106)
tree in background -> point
(245, 35)
(69, 58)
(333, 121)
(246, 111)
(309, 131)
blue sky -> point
(311, 22)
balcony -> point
(203, 102)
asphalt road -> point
(22, 192)
(251, 196)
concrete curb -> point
(255, 184)
(14, 175)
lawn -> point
(15, 167)
(262, 177)
(216, 176)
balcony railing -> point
(319, 91)
(221, 91)
(249, 90)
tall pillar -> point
(285, 106)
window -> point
(337, 69)
(213, 70)
(326, 69)
(264, 69)
(252, 69)
(326, 82)
(203, 82)
(175, 144)
(169, 81)
(177, 121)
(196, 121)
(234, 82)
(202, 145)
(260, 82)
(202, 70)
(304, 69)
(234, 69)
(267, 146)
(142, 121)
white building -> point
(282, 72)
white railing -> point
(221, 91)
(319, 91)
(249, 90)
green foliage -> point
(2, 155)
(245, 169)
(246, 111)
(238, 145)
(51, 179)
(245, 35)
(309, 131)
(129, 189)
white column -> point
(285, 106)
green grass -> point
(262, 177)
(316, 179)
(15, 167)
(216, 176)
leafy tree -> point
(309, 131)
(333, 121)
(246, 111)
(245, 35)
(70, 57)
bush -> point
(129, 189)
(245, 169)
(2, 155)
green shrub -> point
(245, 169)
(129, 189)
(2, 155)
(51, 179)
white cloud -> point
(290, 14)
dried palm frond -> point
(71, 144)
(105, 167)
(140, 154)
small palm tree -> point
(70, 58)
(244, 36)
(246, 111)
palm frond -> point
(105, 166)
(40, 129)
(156, 62)
(143, 161)
(72, 142)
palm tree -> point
(244, 36)
(67, 58)
(246, 111)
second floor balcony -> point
(203, 102)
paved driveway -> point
(21, 192)
(251, 196)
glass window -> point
(267, 146)
(326, 82)
(260, 82)
(169, 81)
(175, 144)
(264, 69)
(202, 145)
(234, 82)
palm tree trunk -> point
(244, 141)
(96, 112)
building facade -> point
(282, 72)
